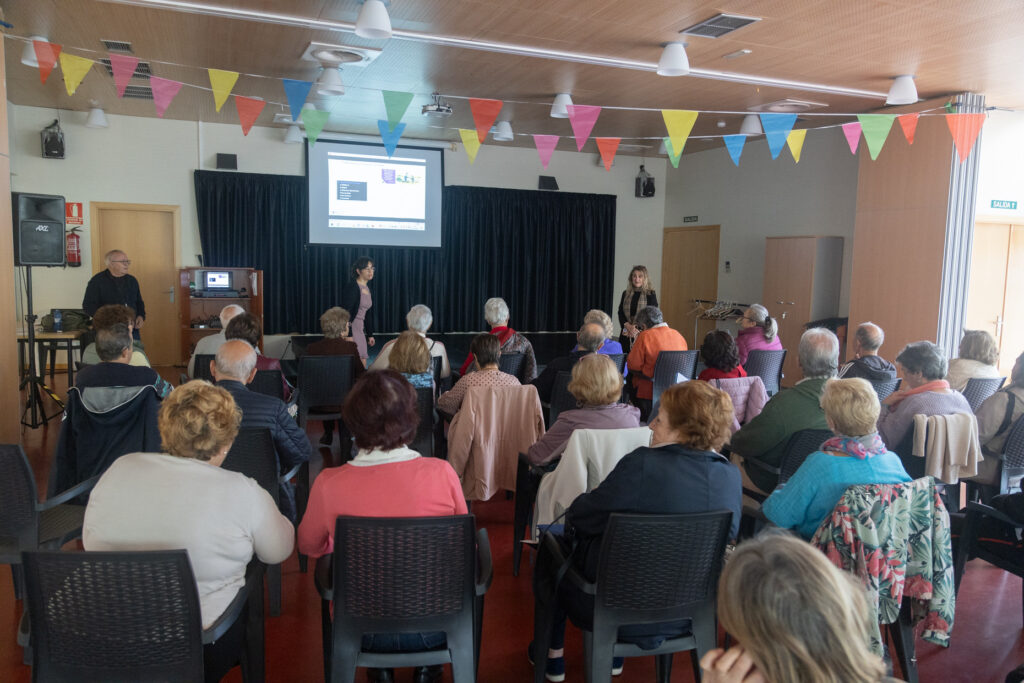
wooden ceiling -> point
(951, 45)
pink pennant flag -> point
(908, 122)
(249, 109)
(607, 147)
(582, 117)
(164, 91)
(123, 67)
(965, 128)
(46, 55)
(545, 146)
(852, 132)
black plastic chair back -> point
(114, 616)
(1013, 459)
(253, 455)
(436, 367)
(512, 363)
(800, 445)
(323, 381)
(885, 387)
(768, 366)
(978, 389)
(424, 441)
(561, 398)
(269, 383)
(671, 368)
(19, 521)
(201, 368)
(300, 342)
(620, 361)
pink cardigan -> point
(751, 339)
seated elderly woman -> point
(597, 386)
(599, 317)
(758, 331)
(335, 323)
(418, 319)
(655, 336)
(855, 455)
(411, 357)
(485, 350)
(979, 354)
(924, 392)
(996, 417)
(795, 616)
(104, 319)
(386, 479)
(721, 356)
(496, 313)
(681, 472)
(183, 499)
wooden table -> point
(51, 341)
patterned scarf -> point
(641, 303)
(859, 447)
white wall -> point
(763, 198)
(1000, 171)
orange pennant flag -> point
(965, 128)
(908, 122)
(46, 55)
(608, 147)
(485, 112)
(249, 109)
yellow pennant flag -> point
(74, 69)
(472, 143)
(795, 140)
(679, 123)
(222, 82)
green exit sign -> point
(1004, 204)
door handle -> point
(171, 292)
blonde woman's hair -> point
(409, 354)
(852, 405)
(596, 381)
(646, 286)
(799, 618)
(334, 321)
(599, 317)
(198, 420)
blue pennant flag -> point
(776, 129)
(390, 137)
(296, 92)
(734, 143)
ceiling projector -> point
(437, 108)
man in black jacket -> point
(234, 367)
(590, 338)
(115, 286)
(866, 363)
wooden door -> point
(1011, 339)
(689, 270)
(148, 234)
(997, 259)
(787, 293)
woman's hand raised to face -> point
(729, 666)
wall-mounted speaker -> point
(38, 229)
(227, 161)
(547, 182)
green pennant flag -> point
(875, 128)
(314, 120)
(672, 156)
(395, 103)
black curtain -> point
(550, 255)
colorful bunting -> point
(389, 136)
(965, 128)
(75, 68)
(852, 132)
(545, 146)
(795, 140)
(164, 91)
(607, 147)
(776, 130)
(222, 82)
(734, 143)
(296, 92)
(876, 129)
(673, 155)
(908, 122)
(123, 67)
(471, 139)
(582, 117)
(46, 55)
(678, 123)
(249, 109)
(314, 120)
(485, 112)
(395, 104)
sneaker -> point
(617, 664)
(555, 670)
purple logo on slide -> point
(388, 176)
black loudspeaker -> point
(547, 182)
(227, 161)
(38, 229)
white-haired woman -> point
(496, 313)
(758, 331)
(599, 317)
(418, 320)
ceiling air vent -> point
(138, 92)
(141, 71)
(719, 25)
(118, 46)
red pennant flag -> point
(485, 113)
(123, 67)
(249, 109)
(965, 128)
(46, 55)
(908, 122)
(607, 147)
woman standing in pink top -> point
(758, 330)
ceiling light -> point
(329, 84)
(97, 117)
(903, 91)
(373, 21)
(502, 132)
(558, 107)
(28, 53)
(751, 125)
(673, 60)
(294, 135)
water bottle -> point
(57, 320)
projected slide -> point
(376, 193)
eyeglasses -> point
(127, 262)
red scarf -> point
(502, 333)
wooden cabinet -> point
(200, 306)
(802, 277)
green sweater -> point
(766, 435)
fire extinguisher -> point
(74, 248)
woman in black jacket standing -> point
(357, 300)
(638, 295)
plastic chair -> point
(323, 381)
(268, 382)
(885, 387)
(512, 363)
(800, 445)
(620, 361)
(426, 432)
(671, 368)
(768, 366)
(978, 389)
(983, 519)
(652, 569)
(300, 342)
(561, 398)
(528, 478)
(1011, 466)
(411, 575)
(201, 368)
(123, 616)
